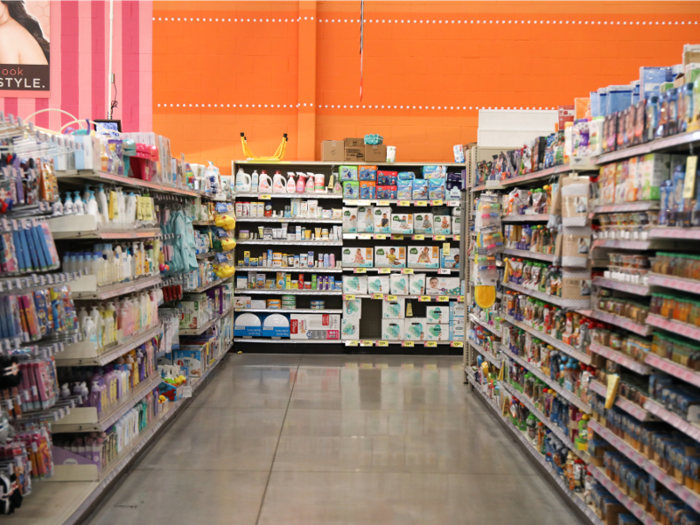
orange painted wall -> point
(423, 82)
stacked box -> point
(378, 284)
(393, 329)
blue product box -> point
(651, 78)
(595, 104)
(351, 190)
(603, 101)
(247, 329)
(348, 173)
(619, 98)
(275, 325)
(420, 189)
(368, 172)
(436, 189)
(434, 172)
(404, 189)
(192, 359)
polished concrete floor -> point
(292, 439)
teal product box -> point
(351, 189)
(434, 172)
(348, 173)
(420, 189)
(437, 314)
(192, 359)
(436, 189)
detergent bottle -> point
(291, 183)
(264, 183)
(243, 182)
(279, 183)
(310, 183)
(301, 182)
(254, 182)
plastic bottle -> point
(78, 204)
(97, 320)
(131, 209)
(102, 203)
(92, 208)
(82, 315)
(89, 331)
(291, 183)
(68, 205)
(254, 182)
(65, 390)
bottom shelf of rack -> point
(522, 437)
(70, 501)
(287, 341)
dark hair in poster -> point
(18, 11)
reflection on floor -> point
(292, 439)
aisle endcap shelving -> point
(556, 343)
(87, 419)
(675, 283)
(488, 355)
(559, 389)
(86, 354)
(661, 144)
(686, 330)
(287, 269)
(688, 496)
(86, 287)
(200, 330)
(526, 254)
(620, 359)
(614, 284)
(628, 406)
(207, 286)
(617, 320)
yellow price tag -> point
(430, 344)
(460, 299)
(407, 271)
(384, 203)
(439, 237)
(457, 344)
(364, 203)
(359, 270)
(436, 202)
(404, 203)
(443, 298)
(421, 203)
(455, 237)
(352, 203)
(446, 248)
(265, 197)
(348, 297)
(397, 237)
(350, 343)
(366, 365)
(364, 236)
(390, 298)
(424, 299)
(385, 365)
(365, 343)
(382, 343)
(691, 166)
(409, 344)
(419, 237)
(384, 270)
(377, 296)
(380, 236)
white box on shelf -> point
(393, 329)
(378, 284)
(423, 223)
(352, 309)
(390, 257)
(438, 332)
(350, 329)
(358, 257)
(350, 220)
(439, 285)
(438, 314)
(416, 283)
(398, 284)
(365, 220)
(314, 326)
(355, 284)
(402, 223)
(382, 220)
(394, 309)
(415, 329)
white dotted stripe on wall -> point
(402, 21)
(354, 106)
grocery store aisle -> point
(312, 440)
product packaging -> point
(390, 257)
(352, 309)
(378, 284)
(416, 284)
(348, 173)
(423, 256)
(368, 173)
(442, 225)
(434, 172)
(365, 219)
(350, 328)
(438, 314)
(436, 189)
(404, 189)
(439, 285)
(420, 189)
(314, 326)
(358, 257)
(355, 284)
(350, 220)
(394, 309)
(368, 189)
(402, 223)
(438, 332)
(351, 190)
(451, 260)
(382, 220)
(393, 329)
(423, 223)
(415, 329)
(398, 284)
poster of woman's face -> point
(25, 50)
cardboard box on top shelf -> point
(354, 154)
(375, 153)
(691, 53)
(333, 150)
(354, 142)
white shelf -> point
(692, 234)
(488, 327)
(690, 429)
(614, 284)
(264, 196)
(406, 271)
(403, 202)
(622, 322)
(86, 419)
(85, 287)
(621, 244)
(522, 398)
(291, 163)
(536, 176)
(405, 344)
(554, 385)
(287, 269)
(627, 207)
(488, 355)
(632, 409)
(246, 291)
(289, 219)
(674, 369)
(686, 330)
(675, 283)
(688, 496)
(287, 341)
(34, 281)
(85, 227)
(206, 326)
(556, 343)
(205, 255)
(280, 242)
(552, 299)
(87, 354)
(526, 218)
(398, 237)
(682, 139)
(207, 286)
(549, 257)
(620, 359)
(82, 176)
(289, 311)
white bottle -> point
(92, 208)
(97, 320)
(82, 315)
(58, 208)
(131, 209)
(121, 206)
(65, 390)
(89, 331)
(254, 183)
(291, 183)
(78, 204)
(68, 205)
(102, 204)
